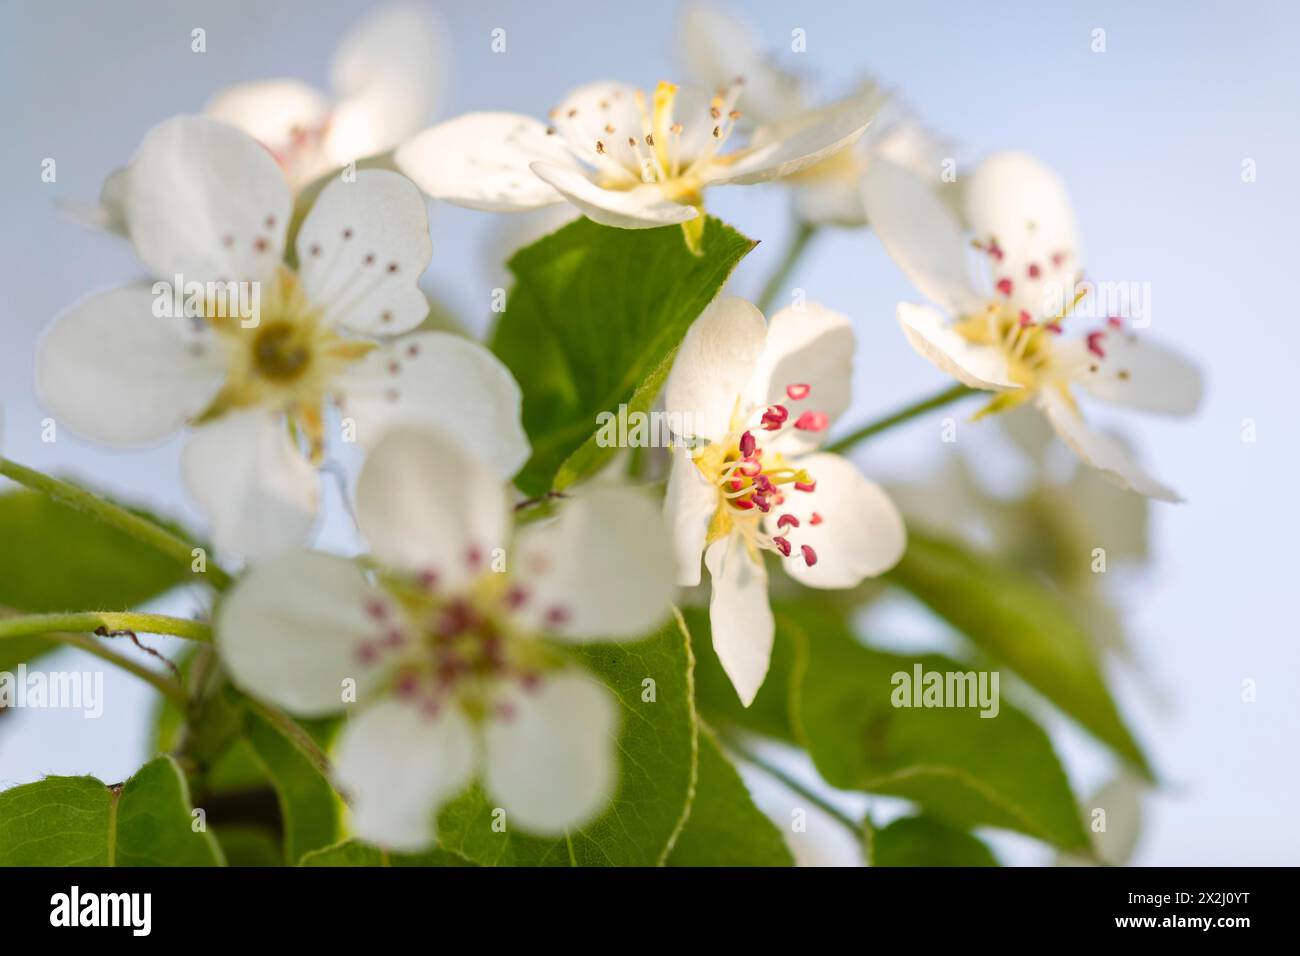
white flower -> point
(718, 47)
(385, 77)
(762, 397)
(1005, 335)
(624, 158)
(456, 648)
(208, 204)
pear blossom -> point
(456, 643)
(1005, 329)
(205, 203)
(623, 157)
(385, 76)
(755, 400)
(717, 47)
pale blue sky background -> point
(1150, 137)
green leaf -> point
(56, 558)
(725, 828)
(356, 853)
(78, 821)
(963, 769)
(310, 810)
(1022, 623)
(657, 764)
(594, 321)
(921, 841)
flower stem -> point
(157, 537)
(165, 685)
(793, 253)
(902, 415)
(855, 827)
(28, 625)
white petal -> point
(551, 762)
(397, 763)
(387, 73)
(292, 630)
(111, 370)
(362, 249)
(979, 366)
(860, 533)
(739, 614)
(481, 160)
(806, 345)
(207, 201)
(443, 380)
(921, 234)
(714, 365)
(252, 481)
(425, 504)
(108, 213)
(718, 49)
(833, 199)
(643, 207)
(1017, 201)
(586, 117)
(604, 567)
(270, 111)
(787, 146)
(1140, 374)
(689, 506)
(1100, 451)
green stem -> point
(776, 773)
(29, 625)
(165, 685)
(776, 282)
(159, 538)
(902, 415)
(292, 731)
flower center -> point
(281, 351)
(753, 480)
(456, 647)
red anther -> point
(815, 519)
(1094, 343)
(805, 486)
(761, 502)
(1026, 320)
(394, 638)
(473, 556)
(505, 710)
(1057, 259)
(1004, 286)
(1034, 271)
(531, 680)
(995, 250)
(798, 393)
(428, 579)
(376, 608)
(782, 545)
(516, 597)
(813, 421)
(744, 504)
(557, 616)
(775, 417)
(737, 483)
(763, 484)
(407, 684)
(750, 468)
(1054, 328)
(431, 708)
(747, 444)
(787, 520)
(367, 652)
(1115, 322)
(809, 555)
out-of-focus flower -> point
(762, 397)
(455, 645)
(1005, 335)
(719, 48)
(253, 354)
(623, 158)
